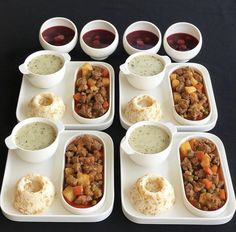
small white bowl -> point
(91, 209)
(145, 82)
(84, 120)
(188, 205)
(35, 156)
(45, 81)
(142, 26)
(99, 53)
(182, 27)
(148, 160)
(178, 118)
(58, 21)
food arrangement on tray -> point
(177, 177)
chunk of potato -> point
(173, 76)
(106, 81)
(86, 69)
(68, 193)
(176, 96)
(175, 83)
(193, 81)
(83, 179)
(190, 89)
(185, 148)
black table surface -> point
(20, 22)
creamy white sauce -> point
(145, 65)
(45, 64)
(35, 136)
(149, 139)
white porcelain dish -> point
(141, 26)
(164, 97)
(182, 27)
(58, 21)
(35, 156)
(45, 81)
(66, 90)
(178, 118)
(56, 212)
(99, 53)
(145, 82)
(92, 120)
(178, 214)
(94, 208)
(148, 160)
(189, 206)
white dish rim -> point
(103, 213)
(191, 219)
(71, 66)
(181, 128)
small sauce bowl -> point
(58, 34)
(189, 30)
(145, 70)
(45, 80)
(142, 36)
(93, 35)
(40, 155)
(145, 153)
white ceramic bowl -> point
(182, 27)
(144, 82)
(99, 53)
(178, 118)
(148, 160)
(100, 119)
(188, 205)
(58, 21)
(76, 210)
(142, 26)
(35, 156)
(44, 81)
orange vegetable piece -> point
(105, 104)
(199, 154)
(208, 170)
(222, 194)
(205, 161)
(199, 86)
(77, 96)
(91, 82)
(214, 169)
(78, 190)
(207, 183)
(105, 73)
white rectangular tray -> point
(16, 168)
(178, 214)
(65, 89)
(163, 96)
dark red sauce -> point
(142, 39)
(98, 38)
(58, 35)
(182, 41)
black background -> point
(19, 26)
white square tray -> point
(16, 168)
(178, 214)
(65, 89)
(163, 96)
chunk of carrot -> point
(207, 183)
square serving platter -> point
(178, 214)
(16, 168)
(163, 96)
(65, 89)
